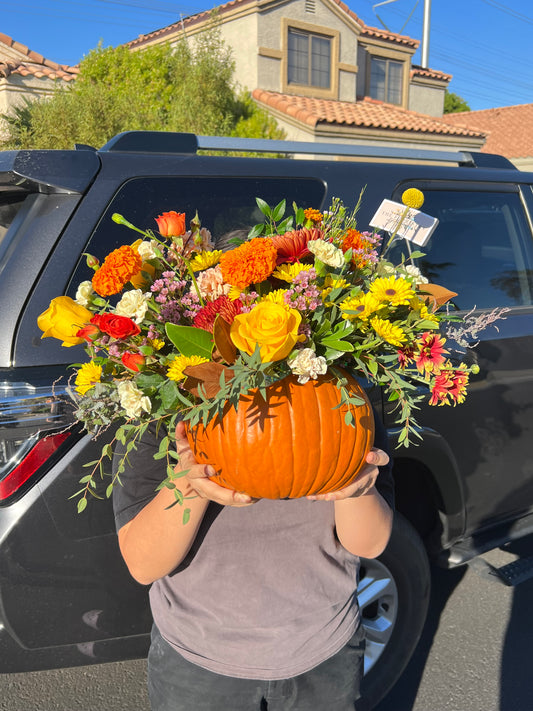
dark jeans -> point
(174, 684)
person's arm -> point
(156, 540)
(363, 519)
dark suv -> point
(466, 488)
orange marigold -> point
(250, 263)
(314, 216)
(116, 271)
(352, 240)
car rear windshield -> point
(10, 204)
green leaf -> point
(186, 516)
(190, 341)
(109, 491)
(279, 210)
(256, 231)
(169, 395)
(263, 206)
(337, 344)
(82, 505)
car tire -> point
(393, 594)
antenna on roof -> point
(425, 34)
(387, 2)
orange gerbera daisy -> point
(292, 246)
(116, 271)
(250, 263)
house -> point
(326, 76)
(24, 74)
(509, 131)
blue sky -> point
(485, 44)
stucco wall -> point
(241, 36)
(426, 99)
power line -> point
(508, 11)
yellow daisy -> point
(388, 331)
(364, 305)
(276, 297)
(331, 283)
(287, 272)
(234, 293)
(423, 312)
(204, 260)
(178, 365)
(392, 290)
(88, 375)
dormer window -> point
(386, 80)
(309, 59)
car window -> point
(223, 204)
(481, 248)
(10, 204)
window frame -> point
(388, 63)
(311, 30)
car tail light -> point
(33, 428)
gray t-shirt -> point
(266, 591)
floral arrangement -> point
(174, 327)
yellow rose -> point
(271, 326)
(63, 319)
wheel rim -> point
(378, 601)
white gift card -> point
(417, 227)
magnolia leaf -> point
(190, 341)
(436, 295)
(223, 342)
(208, 376)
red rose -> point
(133, 361)
(171, 224)
(87, 331)
(116, 326)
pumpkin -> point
(292, 444)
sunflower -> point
(392, 290)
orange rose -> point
(171, 224)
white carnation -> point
(326, 252)
(146, 250)
(415, 274)
(306, 365)
(85, 289)
(133, 304)
(132, 399)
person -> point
(254, 601)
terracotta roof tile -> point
(367, 113)
(509, 128)
(33, 63)
(366, 31)
(430, 73)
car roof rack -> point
(169, 142)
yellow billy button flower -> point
(88, 375)
(271, 326)
(63, 319)
(205, 260)
(388, 331)
(412, 197)
(392, 290)
(178, 365)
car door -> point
(482, 249)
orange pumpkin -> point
(291, 445)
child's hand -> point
(198, 476)
(364, 482)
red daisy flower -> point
(430, 354)
(228, 309)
